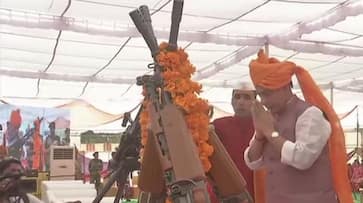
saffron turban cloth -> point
(273, 74)
(15, 118)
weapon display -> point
(229, 182)
(170, 145)
(126, 158)
(18, 142)
(170, 164)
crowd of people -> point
(30, 146)
(287, 148)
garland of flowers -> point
(177, 72)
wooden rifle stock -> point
(224, 173)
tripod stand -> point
(126, 157)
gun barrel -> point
(142, 20)
(175, 22)
(136, 17)
(146, 13)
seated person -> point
(11, 171)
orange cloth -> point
(37, 146)
(15, 118)
(259, 186)
(272, 74)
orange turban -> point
(37, 145)
(269, 72)
(272, 74)
(37, 124)
(15, 118)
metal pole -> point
(267, 50)
(332, 94)
(357, 126)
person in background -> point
(112, 164)
(10, 189)
(66, 140)
(52, 139)
(3, 150)
(15, 139)
(95, 167)
(37, 145)
(236, 131)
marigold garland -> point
(184, 92)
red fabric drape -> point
(37, 146)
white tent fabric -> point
(86, 115)
(55, 51)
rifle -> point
(126, 157)
(18, 142)
(170, 161)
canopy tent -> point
(52, 52)
(85, 116)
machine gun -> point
(126, 157)
(170, 163)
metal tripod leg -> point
(147, 197)
(120, 189)
(120, 174)
(238, 198)
(108, 185)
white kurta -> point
(312, 134)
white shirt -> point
(312, 132)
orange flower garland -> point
(144, 123)
(184, 92)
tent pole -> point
(1, 90)
(357, 126)
(332, 94)
(267, 50)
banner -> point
(29, 131)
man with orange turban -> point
(14, 136)
(299, 144)
(37, 145)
